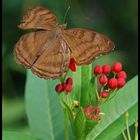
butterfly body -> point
(47, 52)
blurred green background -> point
(116, 19)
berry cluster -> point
(92, 113)
(65, 86)
(116, 82)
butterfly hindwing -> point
(29, 46)
(45, 55)
(53, 62)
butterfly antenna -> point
(66, 13)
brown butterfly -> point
(48, 50)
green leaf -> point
(85, 81)
(82, 87)
(80, 123)
(76, 76)
(118, 126)
(11, 135)
(90, 124)
(92, 91)
(125, 99)
(44, 112)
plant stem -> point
(124, 136)
(127, 126)
(64, 98)
(102, 88)
(114, 75)
(136, 130)
(96, 90)
(66, 125)
(63, 77)
(65, 118)
(113, 92)
(110, 92)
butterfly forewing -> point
(86, 45)
(39, 18)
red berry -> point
(69, 81)
(103, 80)
(59, 88)
(104, 94)
(68, 88)
(97, 110)
(112, 83)
(106, 69)
(64, 85)
(117, 67)
(87, 111)
(96, 118)
(72, 64)
(98, 70)
(122, 74)
(121, 82)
